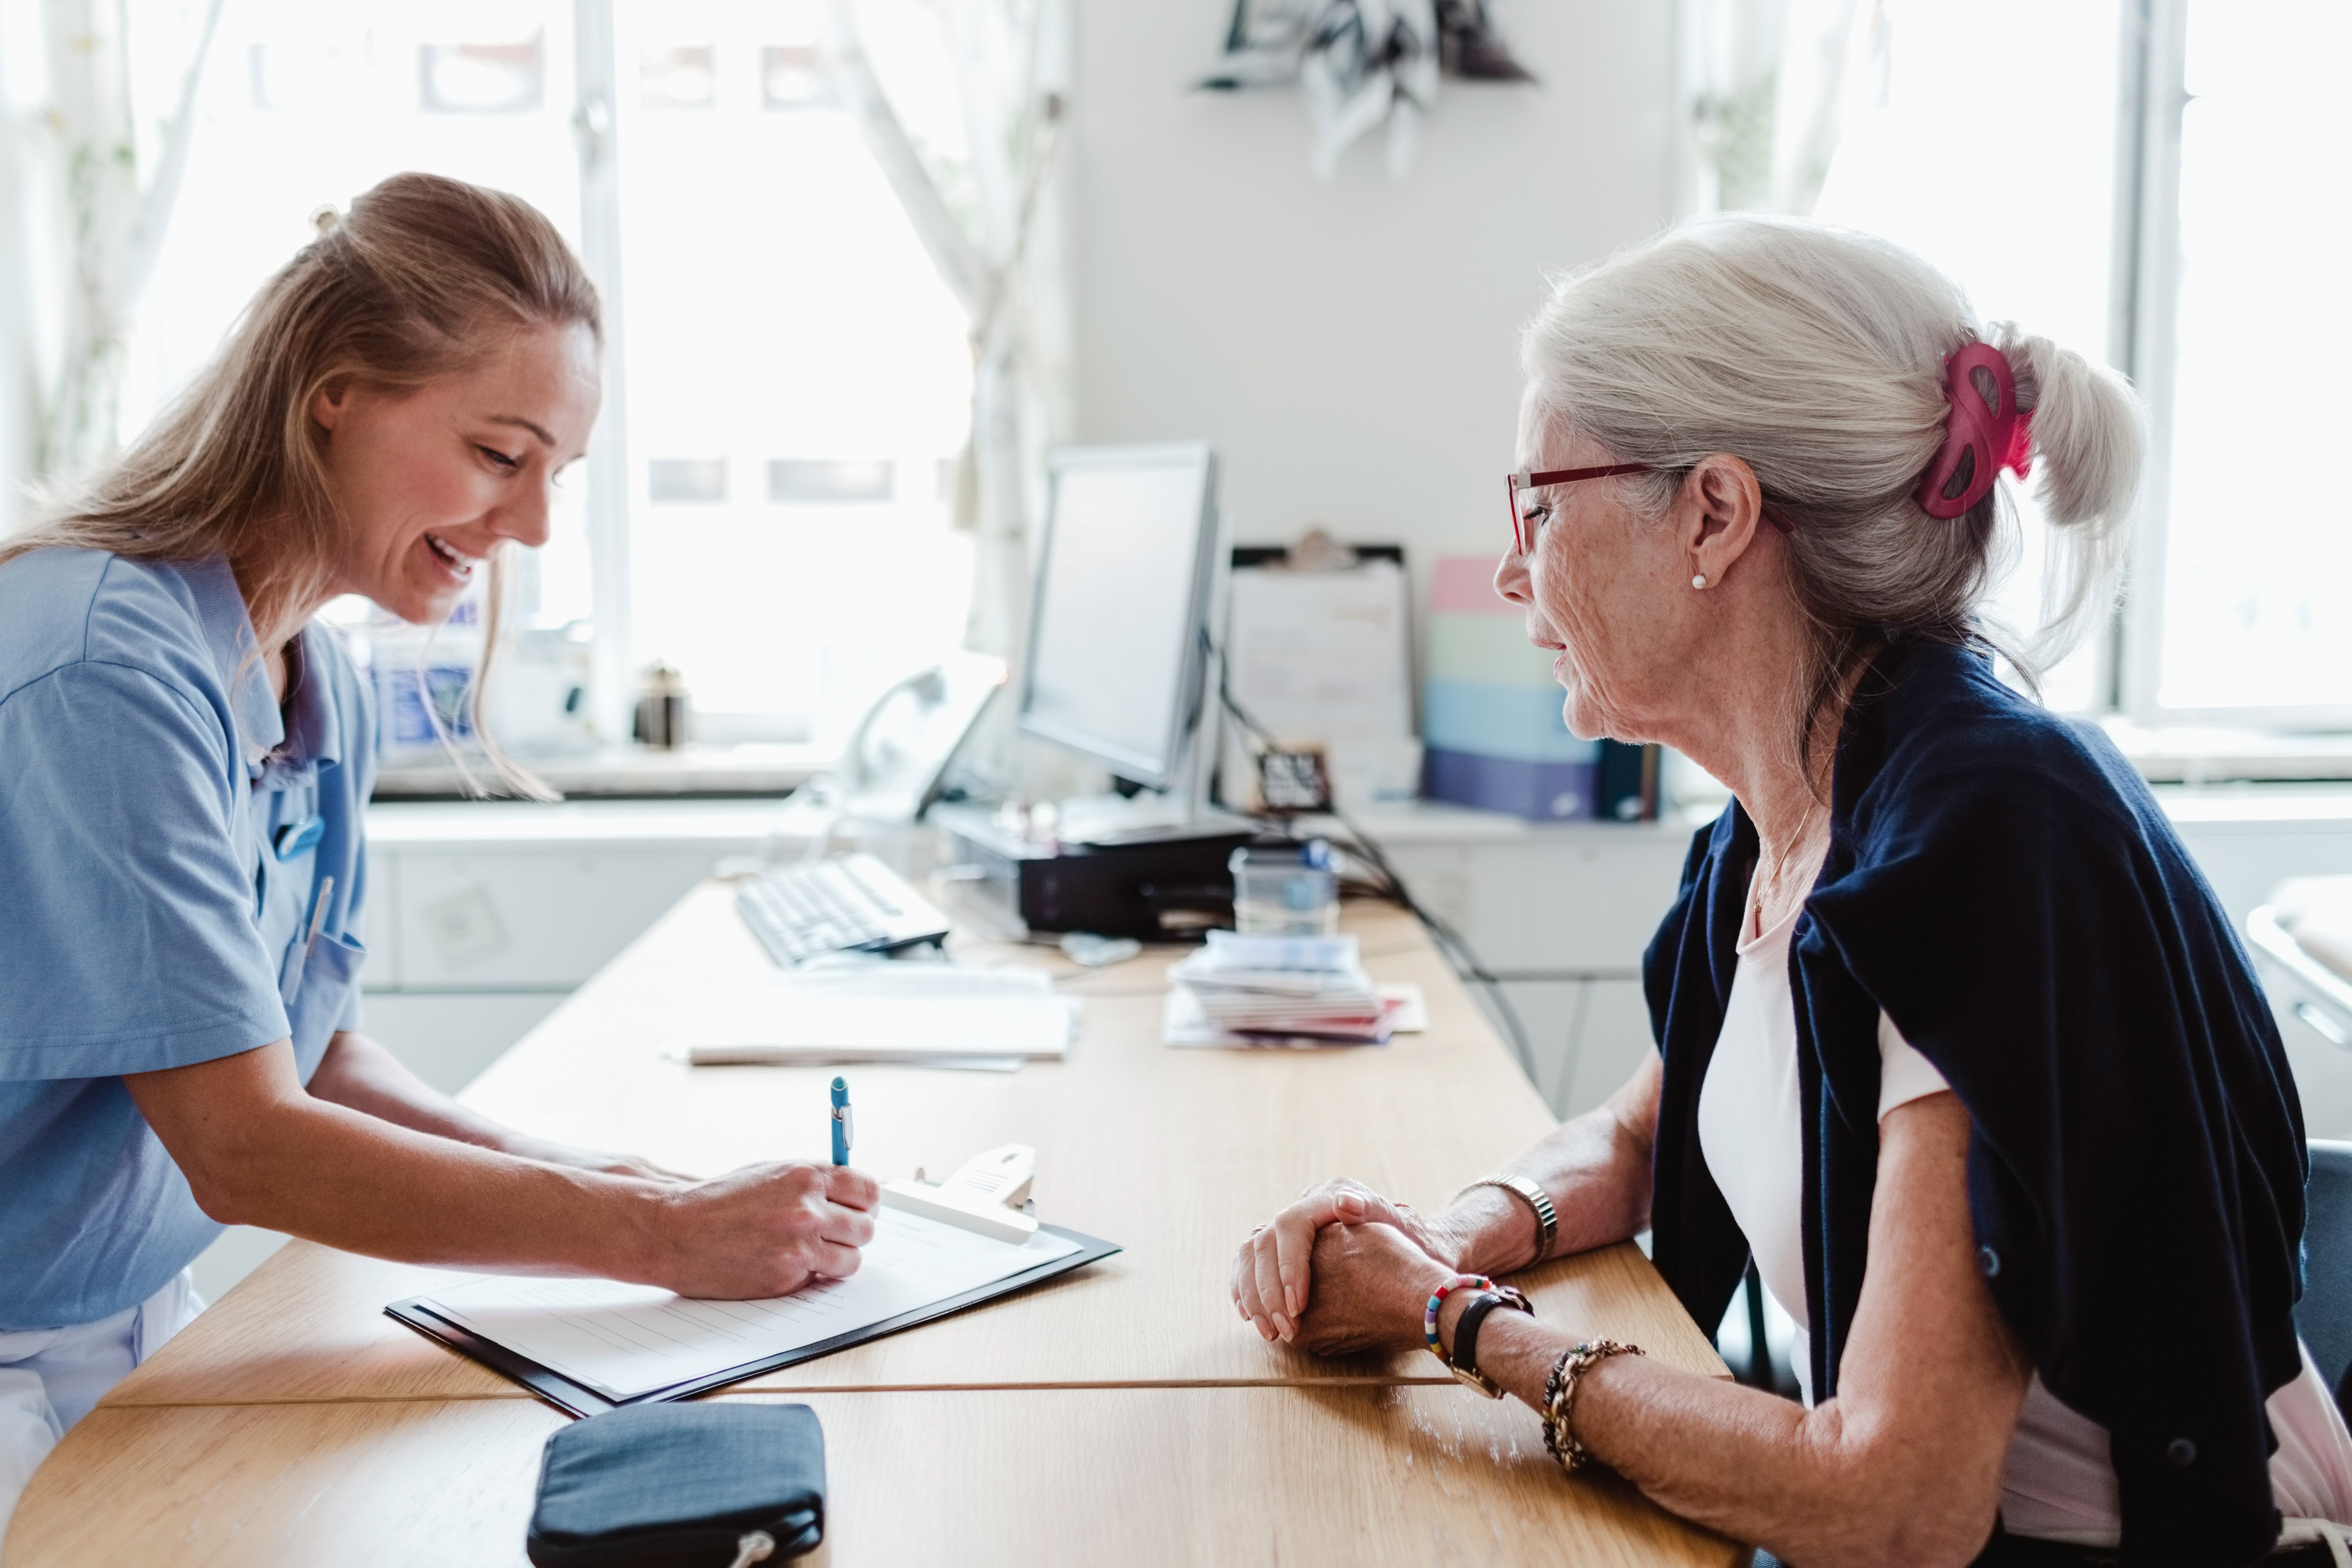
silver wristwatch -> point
(1534, 1196)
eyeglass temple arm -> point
(1568, 476)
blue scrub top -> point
(164, 836)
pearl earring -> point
(1699, 581)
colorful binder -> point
(1491, 716)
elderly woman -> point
(184, 758)
(1954, 1041)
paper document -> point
(1324, 659)
(626, 1341)
(878, 1012)
(1182, 1022)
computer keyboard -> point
(843, 903)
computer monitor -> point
(1122, 594)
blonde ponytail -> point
(425, 278)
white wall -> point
(1348, 349)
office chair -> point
(2323, 1316)
(2299, 941)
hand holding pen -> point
(768, 1230)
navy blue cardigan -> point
(2003, 884)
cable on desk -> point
(1456, 948)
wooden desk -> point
(1365, 1475)
(293, 1421)
(1175, 1155)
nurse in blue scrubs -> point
(184, 758)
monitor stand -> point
(1120, 819)
(1152, 867)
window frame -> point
(594, 125)
(2144, 333)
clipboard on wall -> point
(1319, 651)
(577, 1395)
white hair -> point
(1817, 355)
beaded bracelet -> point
(1429, 1314)
(1559, 1399)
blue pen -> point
(845, 1127)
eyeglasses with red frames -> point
(1523, 533)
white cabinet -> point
(524, 918)
(483, 915)
(1615, 1040)
(1561, 913)
(1543, 902)
(446, 1038)
(1588, 1037)
(1551, 1012)
(511, 896)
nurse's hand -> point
(764, 1230)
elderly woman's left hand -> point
(1369, 1283)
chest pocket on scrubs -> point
(324, 985)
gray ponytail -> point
(2089, 445)
(1816, 355)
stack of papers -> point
(879, 1011)
(1282, 988)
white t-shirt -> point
(2058, 1483)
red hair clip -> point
(1985, 431)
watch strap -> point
(1465, 1336)
(1465, 1363)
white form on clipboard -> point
(627, 1341)
(1324, 659)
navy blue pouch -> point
(689, 1485)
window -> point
(2149, 182)
(787, 377)
(305, 106)
(2249, 613)
(1982, 138)
(798, 379)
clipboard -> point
(574, 1400)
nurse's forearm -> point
(358, 1073)
(257, 1149)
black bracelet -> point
(1465, 1336)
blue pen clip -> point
(296, 838)
(845, 1127)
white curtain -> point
(981, 194)
(1767, 84)
(92, 165)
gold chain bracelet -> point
(1559, 1399)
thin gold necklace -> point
(1782, 865)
